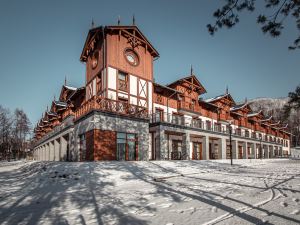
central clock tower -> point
(119, 65)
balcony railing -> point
(109, 105)
(203, 125)
(189, 106)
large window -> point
(123, 81)
(126, 146)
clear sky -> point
(41, 41)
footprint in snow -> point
(295, 199)
(214, 209)
(283, 204)
(165, 205)
(295, 212)
(147, 214)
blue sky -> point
(41, 41)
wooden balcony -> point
(189, 107)
(67, 113)
(113, 106)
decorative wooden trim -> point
(114, 67)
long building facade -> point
(122, 114)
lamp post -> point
(230, 144)
(260, 149)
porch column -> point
(163, 151)
(280, 151)
(63, 149)
(46, 152)
(266, 151)
(271, 151)
(205, 147)
(186, 146)
(255, 146)
(56, 150)
(235, 149)
(245, 150)
(51, 151)
(222, 148)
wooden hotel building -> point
(122, 114)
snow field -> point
(154, 192)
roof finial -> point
(133, 20)
(119, 20)
(54, 97)
(93, 24)
(192, 71)
(246, 100)
(227, 90)
(66, 80)
(47, 108)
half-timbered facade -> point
(122, 114)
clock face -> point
(94, 60)
(131, 57)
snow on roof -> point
(70, 88)
(45, 121)
(215, 98)
(267, 119)
(274, 124)
(254, 114)
(237, 107)
(59, 103)
(284, 127)
(51, 113)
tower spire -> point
(133, 20)
(93, 24)
(65, 80)
(119, 20)
(246, 100)
(226, 90)
(192, 71)
(54, 97)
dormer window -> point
(123, 81)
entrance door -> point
(126, 146)
(240, 152)
(197, 151)
(176, 149)
(131, 147)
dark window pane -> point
(130, 136)
(121, 135)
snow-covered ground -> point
(155, 192)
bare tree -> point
(5, 133)
(272, 20)
(14, 133)
(21, 130)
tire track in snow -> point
(243, 209)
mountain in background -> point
(269, 106)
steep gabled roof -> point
(267, 119)
(219, 97)
(49, 113)
(166, 88)
(192, 79)
(61, 104)
(260, 112)
(103, 31)
(240, 106)
(69, 90)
